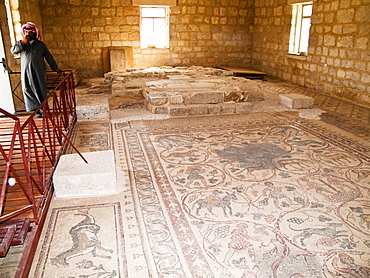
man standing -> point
(33, 70)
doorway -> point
(6, 96)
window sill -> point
(297, 56)
(155, 50)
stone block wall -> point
(29, 11)
(338, 60)
(202, 32)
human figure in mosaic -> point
(33, 70)
(240, 240)
(349, 268)
(276, 194)
(193, 175)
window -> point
(154, 32)
(300, 29)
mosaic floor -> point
(262, 195)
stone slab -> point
(296, 101)
(198, 110)
(74, 178)
(208, 97)
(228, 108)
(92, 107)
(241, 107)
(178, 110)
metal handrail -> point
(18, 84)
(39, 146)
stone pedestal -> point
(296, 101)
(75, 178)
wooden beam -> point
(247, 73)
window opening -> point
(10, 22)
(300, 28)
(154, 31)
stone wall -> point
(202, 32)
(338, 60)
(29, 10)
(239, 33)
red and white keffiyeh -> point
(31, 26)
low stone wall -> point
(185, 91)
(182, 91)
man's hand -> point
(29, 35)
(25, 39)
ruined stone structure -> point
(182, 91)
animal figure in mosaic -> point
(170, 141)
(180, 155)
(329, 231)
(286, 131)
(85, 241)
(361, 173)
(337, 159)
(365, 219)
(305, 143)
(295, 164)
(210, 202)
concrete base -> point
(296, 101)
(74, 178)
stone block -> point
(156, 109)
(296, 101)
(243, 107)
(176, 99)
(117, 88)
(227, 108)
(158, 98)
(178, 111)
(205, 97)
(75, 178)
(214, 109)
(198, 110)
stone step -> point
(183, 110)
(296, 101)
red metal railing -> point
(29, 154)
